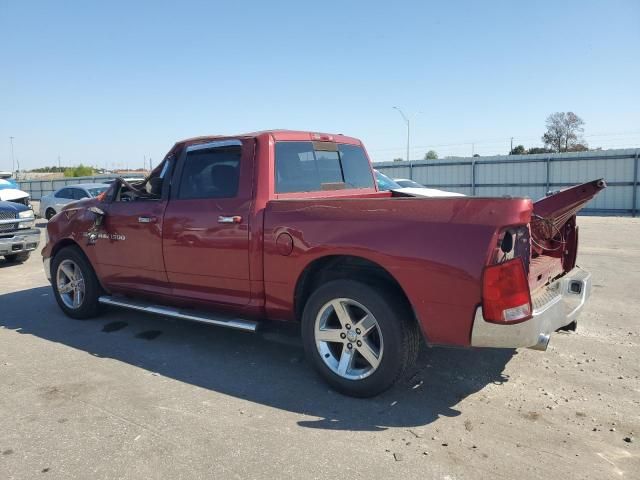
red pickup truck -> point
(286, 225)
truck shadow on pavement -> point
(267, 368)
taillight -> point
(505, 293)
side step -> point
(192, 315)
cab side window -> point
(211, 173)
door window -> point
(211, 173)
(64, 193)
(79, 194)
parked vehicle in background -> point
(126, 179)
(289, 226)
(9, 191)
(18, 238)
(53, 203)
(386, 183)
(405, 182)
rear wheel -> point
(49, 213)
(17, 257)
(360, 338)
(75, 284)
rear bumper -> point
(554, 307)
(19, 241)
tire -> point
(395, 337)
(17, 257)
(76, 303)
(49, 213)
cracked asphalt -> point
(133, 396)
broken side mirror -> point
(92, 235)
(99, 215)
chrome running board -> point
(192, 315)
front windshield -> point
(94, 192)
(385, 183)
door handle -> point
(230, 219)
(147, 219)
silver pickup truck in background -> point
(18, 237)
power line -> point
(503, 141)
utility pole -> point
(408, 128)
(473, 149)
(13, 160)
(511, 150)
(59, 164)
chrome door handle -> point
(230, 219)
(146, 219)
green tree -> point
(79, 171)
(398, 159)
(431, 155)
(518, 150)
(535, 150)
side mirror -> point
(92, 235)
(99, 215)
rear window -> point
(312, 167)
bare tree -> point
(564, 132)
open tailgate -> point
(554, 211)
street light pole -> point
(13, 160)
(406, 119)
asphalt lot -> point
(134, 396)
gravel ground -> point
(133, 396)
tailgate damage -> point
(552, 212)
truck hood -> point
(12, 194)
(12, 207)
(553, 211)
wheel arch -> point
(351, 267)
(65, 242)
(69, 242)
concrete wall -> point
(532, 176)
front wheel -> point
(75, 284)
(360, 338)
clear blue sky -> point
(108, 82)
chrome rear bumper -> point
(554, 306)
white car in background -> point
(385, 183)
(9, 191)
(53, 203)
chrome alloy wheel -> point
(348, 338)
(70, 284)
